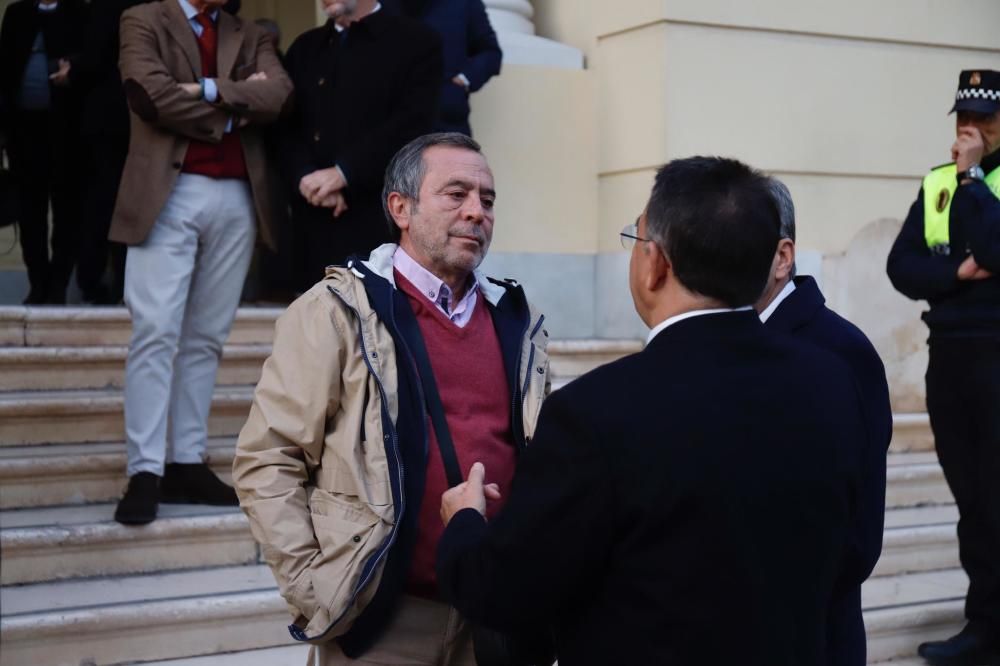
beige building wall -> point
(846, 102)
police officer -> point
(948, 253)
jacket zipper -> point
(517, 400)
(531, 357)
(297, 633)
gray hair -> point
(786, 210)
(406, 170)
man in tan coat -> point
(199, 83)
(386, 380)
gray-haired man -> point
(795, 306)
(338, 468)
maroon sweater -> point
(215, 160)
(469, 371)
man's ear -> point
(784, 259)
(399, 208)
(658, 267)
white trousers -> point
(182, 288)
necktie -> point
(208, 45)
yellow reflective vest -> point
(939, 189)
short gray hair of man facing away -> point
(406, 171)
(786, 210)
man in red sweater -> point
(386, 380)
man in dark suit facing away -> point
(659, 515)
(793, 305)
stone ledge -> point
(54, 552)
(896, 632)
(147, 630)
(76, 367)
(918, 549)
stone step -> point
(81, 326)
(142, 618)
(60, 474)
(56, 368)
(911, 433)
(905, 610)
(915, 479)
(84, 541)
(61, 417)
(918, 540)
(80, 367)
(293, 655)
(187, 614)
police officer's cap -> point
(978, 90)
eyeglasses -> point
(629, 236)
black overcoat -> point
(689, 504)
(360, 96)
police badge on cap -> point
(978, 91)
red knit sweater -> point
(215, 160)
(469, 371)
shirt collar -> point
(190, 12)
(340, 28)
(47, 8)
(429, 284)
(670, 321)
(773, 305)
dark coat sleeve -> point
(484, 54)
(869, 375)
(913, 270)
(363, 160)
(294, 157)
(979, 209)
(10, 60)
(553, 535)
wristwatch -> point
(974, 172)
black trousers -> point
(963, 400)
(43, 156)
(106, 161)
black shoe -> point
(970, 647)
(141, 499)
(195, 484)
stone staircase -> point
(190, 590)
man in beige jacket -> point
(199, 84)
(385, 378)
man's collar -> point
(670, 321)
(190, 12)
(47, 8)
(340, 28)
(429, 284)
(773, 305)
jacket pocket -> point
(345, 529)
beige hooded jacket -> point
(314, 461)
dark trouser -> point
(106, 163)
(42, 156)
(963, 399)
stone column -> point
(512, 20)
